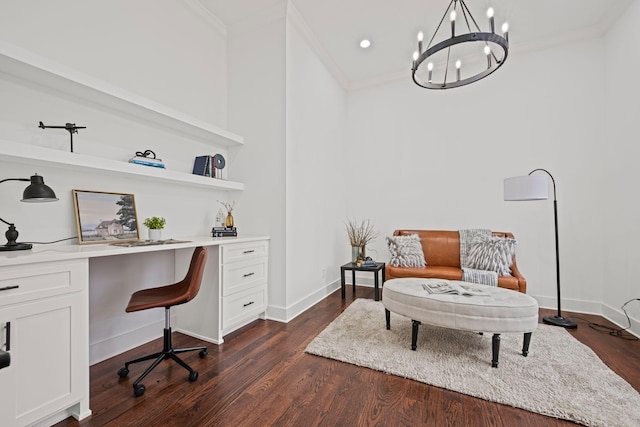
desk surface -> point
(66, 251)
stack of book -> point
(205, 166)
(147, 161)
(224, 232)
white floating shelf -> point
(33, 69)
(35, 155)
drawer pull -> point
(9, 287)
(248, 304)
(7, 344)
(249, 251)
(248, 274)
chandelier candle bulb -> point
(458, 65)
(491, 20)
(505, 31)
(487, 51)
(415, 58)
(420, 38)
(453, 23)
(430, 68)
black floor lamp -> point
(36, 192)
(536, 187)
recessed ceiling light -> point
(365, 43)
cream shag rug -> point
(561, 377)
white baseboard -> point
(105, 349)
(286, 314)
(613, 315)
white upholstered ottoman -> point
(500, 311)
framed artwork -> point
(103, 217)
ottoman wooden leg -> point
(525, 344)
(387, 315)
(496, 350)
(414, 334)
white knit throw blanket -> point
(482, 277)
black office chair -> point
(168, 296)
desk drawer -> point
(242, 275)
(243, 306)
(42, 280)
(240, 251)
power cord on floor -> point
(616, 332)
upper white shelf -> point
(35, 155)
(34, 69)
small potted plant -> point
(155, 225)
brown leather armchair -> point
(442, 252)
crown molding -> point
(296, 19)
(207, 16)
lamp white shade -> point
(529, 187)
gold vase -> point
(228, 221)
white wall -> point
(437, 160)
(316, 173)
(160, 50)
(621, 254)
(257, 70)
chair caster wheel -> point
(203, 353)
(193, 376)
(139, 390)
(122, 373)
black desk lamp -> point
(36, 192)
(536, 187)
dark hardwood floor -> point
(261, 376)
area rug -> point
(560, 378)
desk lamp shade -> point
(529, 187)
(36, 192)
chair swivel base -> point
(168, 352)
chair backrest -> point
(193, 279)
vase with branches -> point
(360, 234)
(228, 221)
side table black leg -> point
(414, 334)
(387, 316)
(353, 281)
(496, 350)
(342, 282)
(376, 291)
(525, 344)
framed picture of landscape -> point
(103, 217)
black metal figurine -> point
(70, 127)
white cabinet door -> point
(46, 358)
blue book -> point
(145, 163)
(200, 165)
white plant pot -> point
(155, 234)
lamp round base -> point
(16, 247)
(559, 321)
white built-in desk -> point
(44, 316)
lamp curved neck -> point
(8, 223)
(553, 181)
(15, 179)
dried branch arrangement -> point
(360, 233)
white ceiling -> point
(392, 25)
